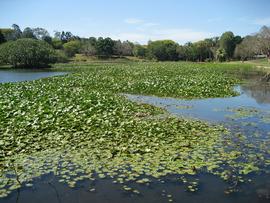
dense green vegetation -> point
(27, 53)
(224, 48)
(79, 125)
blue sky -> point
(139, 20)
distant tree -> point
(92, 41)
(227, 42)
(17, 31)
(247, 49)
(188, 52)
(163, 50)
(64, 36)
(88, 48)
(28, 33)
(57, 44)
(47, 39)
(8, 34)
(123, 48)
(105, 47)
(2, 38)
(221, 55)
(41, 33)
(140, 51)
(203, 50)
(71, 48)
(237, 39)
(264, 40)
(28, 53)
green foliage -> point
(28, 33)
(72, 47)
(29, 53)
(61, 57)
(140, 51)
(2, 37)
(227, 42)
(105, 47)
(77, 125)
(163, 50)
(57, 44)
(8, 33)
(221, 55)
(89, 48)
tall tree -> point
(28, 33)
(105, 47)
(227, 42)
(17, 31)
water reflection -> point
(259, 91)
(19, 75)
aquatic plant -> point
(78, 126)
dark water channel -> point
(249, 112)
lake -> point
(248, 113)
(19, 75)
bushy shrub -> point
(61, 57)
(71, 48)
(28, 53)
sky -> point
(139, 20)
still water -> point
(19, 75)
(254, 101)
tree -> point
(57, 44)
(28, 33)
(227, 42)
(163, 50)
(29, 53)
(203, 50)
(140, 51)
(88, 48)
(47, 39)
(71, 48)
(105, 47)
(247, 49)
(221, 55)
(264, 40)
(17, 31)
(2, 38)
(123, 48)
(40, 33)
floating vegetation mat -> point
(77, 125)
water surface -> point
(19, 75)
(254, 101)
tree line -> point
(64, 44)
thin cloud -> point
(262, 21)
(133, 21)
(179, 35)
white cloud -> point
(133, 21)
(262, 21)
(179, 35)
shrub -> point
(29, 53)
(61, 57)
(71, 48)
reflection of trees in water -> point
(259, 91)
